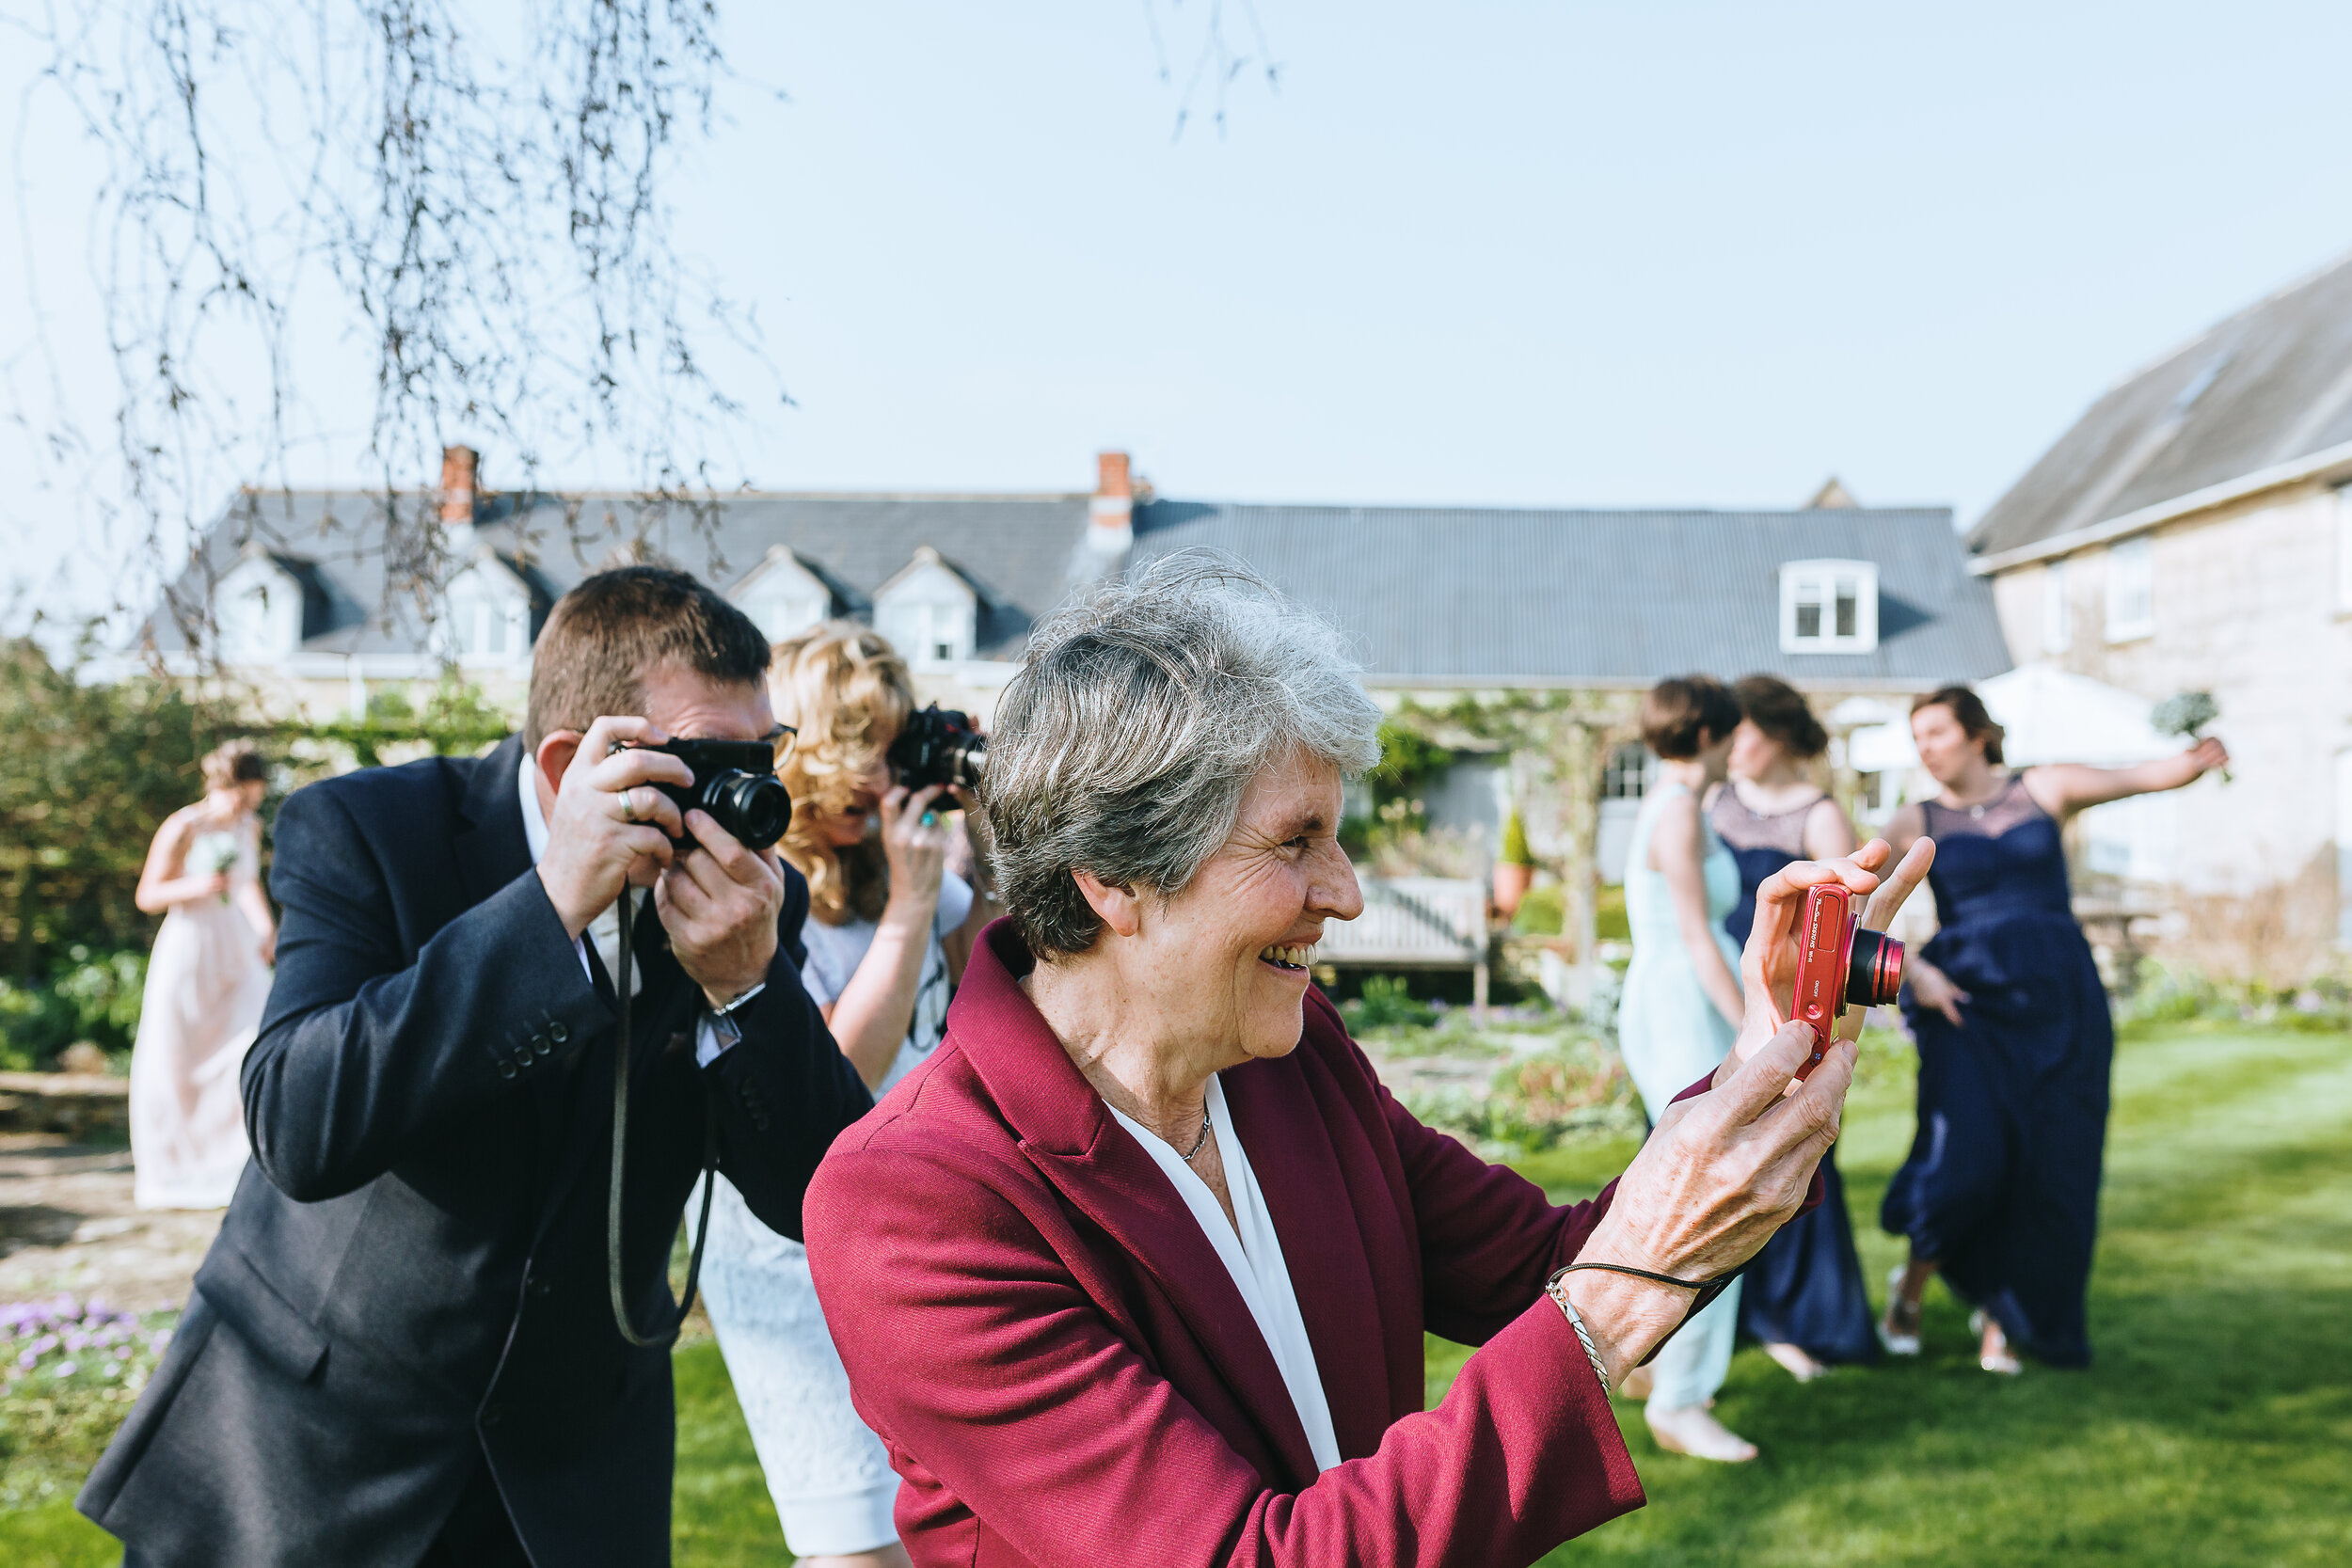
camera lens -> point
(1874, 970)
(966, 762)
(755, 808)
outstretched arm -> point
(2066, 787)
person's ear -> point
(1117, 906)
(555, 756)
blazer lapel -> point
(1289, 1144)
(1066, 1131)
(492, 851)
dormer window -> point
(928, 612)
(782, 596)
(257, 608)
(487, 616)
(1829, 606)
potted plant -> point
(1515, 869)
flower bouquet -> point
(2186, 713)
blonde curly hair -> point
(849, 693)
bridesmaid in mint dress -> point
(1682, 1003)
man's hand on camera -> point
(719, 902)
(610, 826)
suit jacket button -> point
(506, 1068)
(540, 1045)
(558, 1033)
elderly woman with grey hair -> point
(1138, 1264)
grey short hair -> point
(1139, 717)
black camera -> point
(939, 746)
(735, 780)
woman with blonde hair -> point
(889, 929)
(207, 979)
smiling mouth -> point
(1293, 959)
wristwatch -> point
(722, 1018)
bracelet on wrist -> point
(1557, 1289)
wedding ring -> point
(629, 805)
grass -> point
(2215, 1427)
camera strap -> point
(619, 1147)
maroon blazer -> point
(1064, 1374)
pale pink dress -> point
(206, 985)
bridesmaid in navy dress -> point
(1804, 1296)
(2000, 1193)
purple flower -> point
(28, 1361)
(65, 1369)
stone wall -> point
(2245, 606)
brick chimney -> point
(459, 468)
(1111, 512)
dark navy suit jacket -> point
(411, 1279)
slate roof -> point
(1015, 550)
(1471, 597)
(1434, 596)
(2268, 385)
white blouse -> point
(1254, 1259)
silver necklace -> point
(1203, 1141)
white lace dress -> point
(832, 1485)
(206, 986)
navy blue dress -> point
(2001, 1188)
(1805, 1289)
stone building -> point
(2193, 532)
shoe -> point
(1795, 1362)
(1898, 1340)
(1690, 1430)
(2003, 1361)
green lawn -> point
(2215, 1427)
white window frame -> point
(485, 621)
(2131, 590)
(257, 612)
(928, 612)
(2057, 609)
(1820, 586)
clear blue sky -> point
(1651, 253)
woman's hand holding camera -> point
(1768, 969)
(915, 836)
(1721, 1174)
(1726, 1169)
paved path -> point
(67, 1224)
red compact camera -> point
(1840, 965)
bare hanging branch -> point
(1217, 63)
(473, 199)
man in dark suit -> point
(401, 1348)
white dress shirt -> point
(1253, 1256)
(605, 927)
